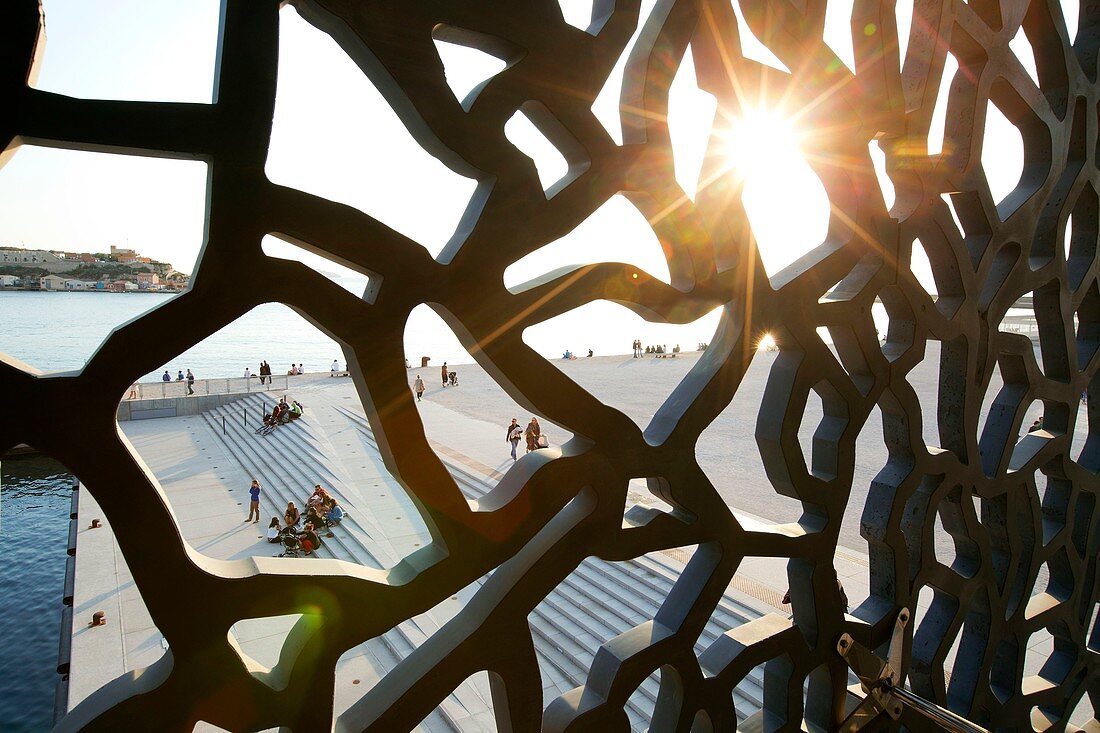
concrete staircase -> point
(596, 602)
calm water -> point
(34, 525)
(60, 331)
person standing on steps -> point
(444, 371)
(190, 382)
(515, 432)
(418, 387)
(253, 502)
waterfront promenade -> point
(205, 473)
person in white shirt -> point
(334, 368)
(247, 373)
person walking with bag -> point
(532, 433)
(515, 432)
(418, 387)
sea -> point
(35, 495)
(60, 331)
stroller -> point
(452, 377)
(292, 546)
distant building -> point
(33, 258)
(52, 282)
(124, 256)
(148, 280)
(83, 285)
(8, 281)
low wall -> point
(174, 406)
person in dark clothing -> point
(443, 369)
(190, 382)
(254, 502)
(310, 541)
(513, 436)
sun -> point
(760, 141)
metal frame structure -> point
(1011, 509)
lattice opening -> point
(938, 126)
(532, 140)
(922, 269)
(648, 499)
(903, 14)
(599, 602)
(691, 114)
(131, 51)
(635, 244)
(751, 46)
(838, 32)
(1088, 327)
(606, 105)
(1082, 231)
(471, 59)
(606, 322)
(745, 488)
(360, 669)
(270, 646)
(748, 694)
(161, 202)
(355, 280)
(336, 164)
(763, 149)
(577, 13)
(878, 159)
(1021, 47)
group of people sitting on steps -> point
(283, 412)
(323, 512)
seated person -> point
(276, 415)
(335, 512)
(274, 530)
(309, 538)
(295, 410)
(292, 515)
(318, 496)
(315, 516)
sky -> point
(164, 50)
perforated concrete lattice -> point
(1012, 507)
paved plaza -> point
(205, 462)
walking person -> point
(532, 434)
(190, 382)
(418, 387)
(444, 370)
(515, 432)
(253, 502)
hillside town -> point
(119, 271)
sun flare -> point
(759, 141)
